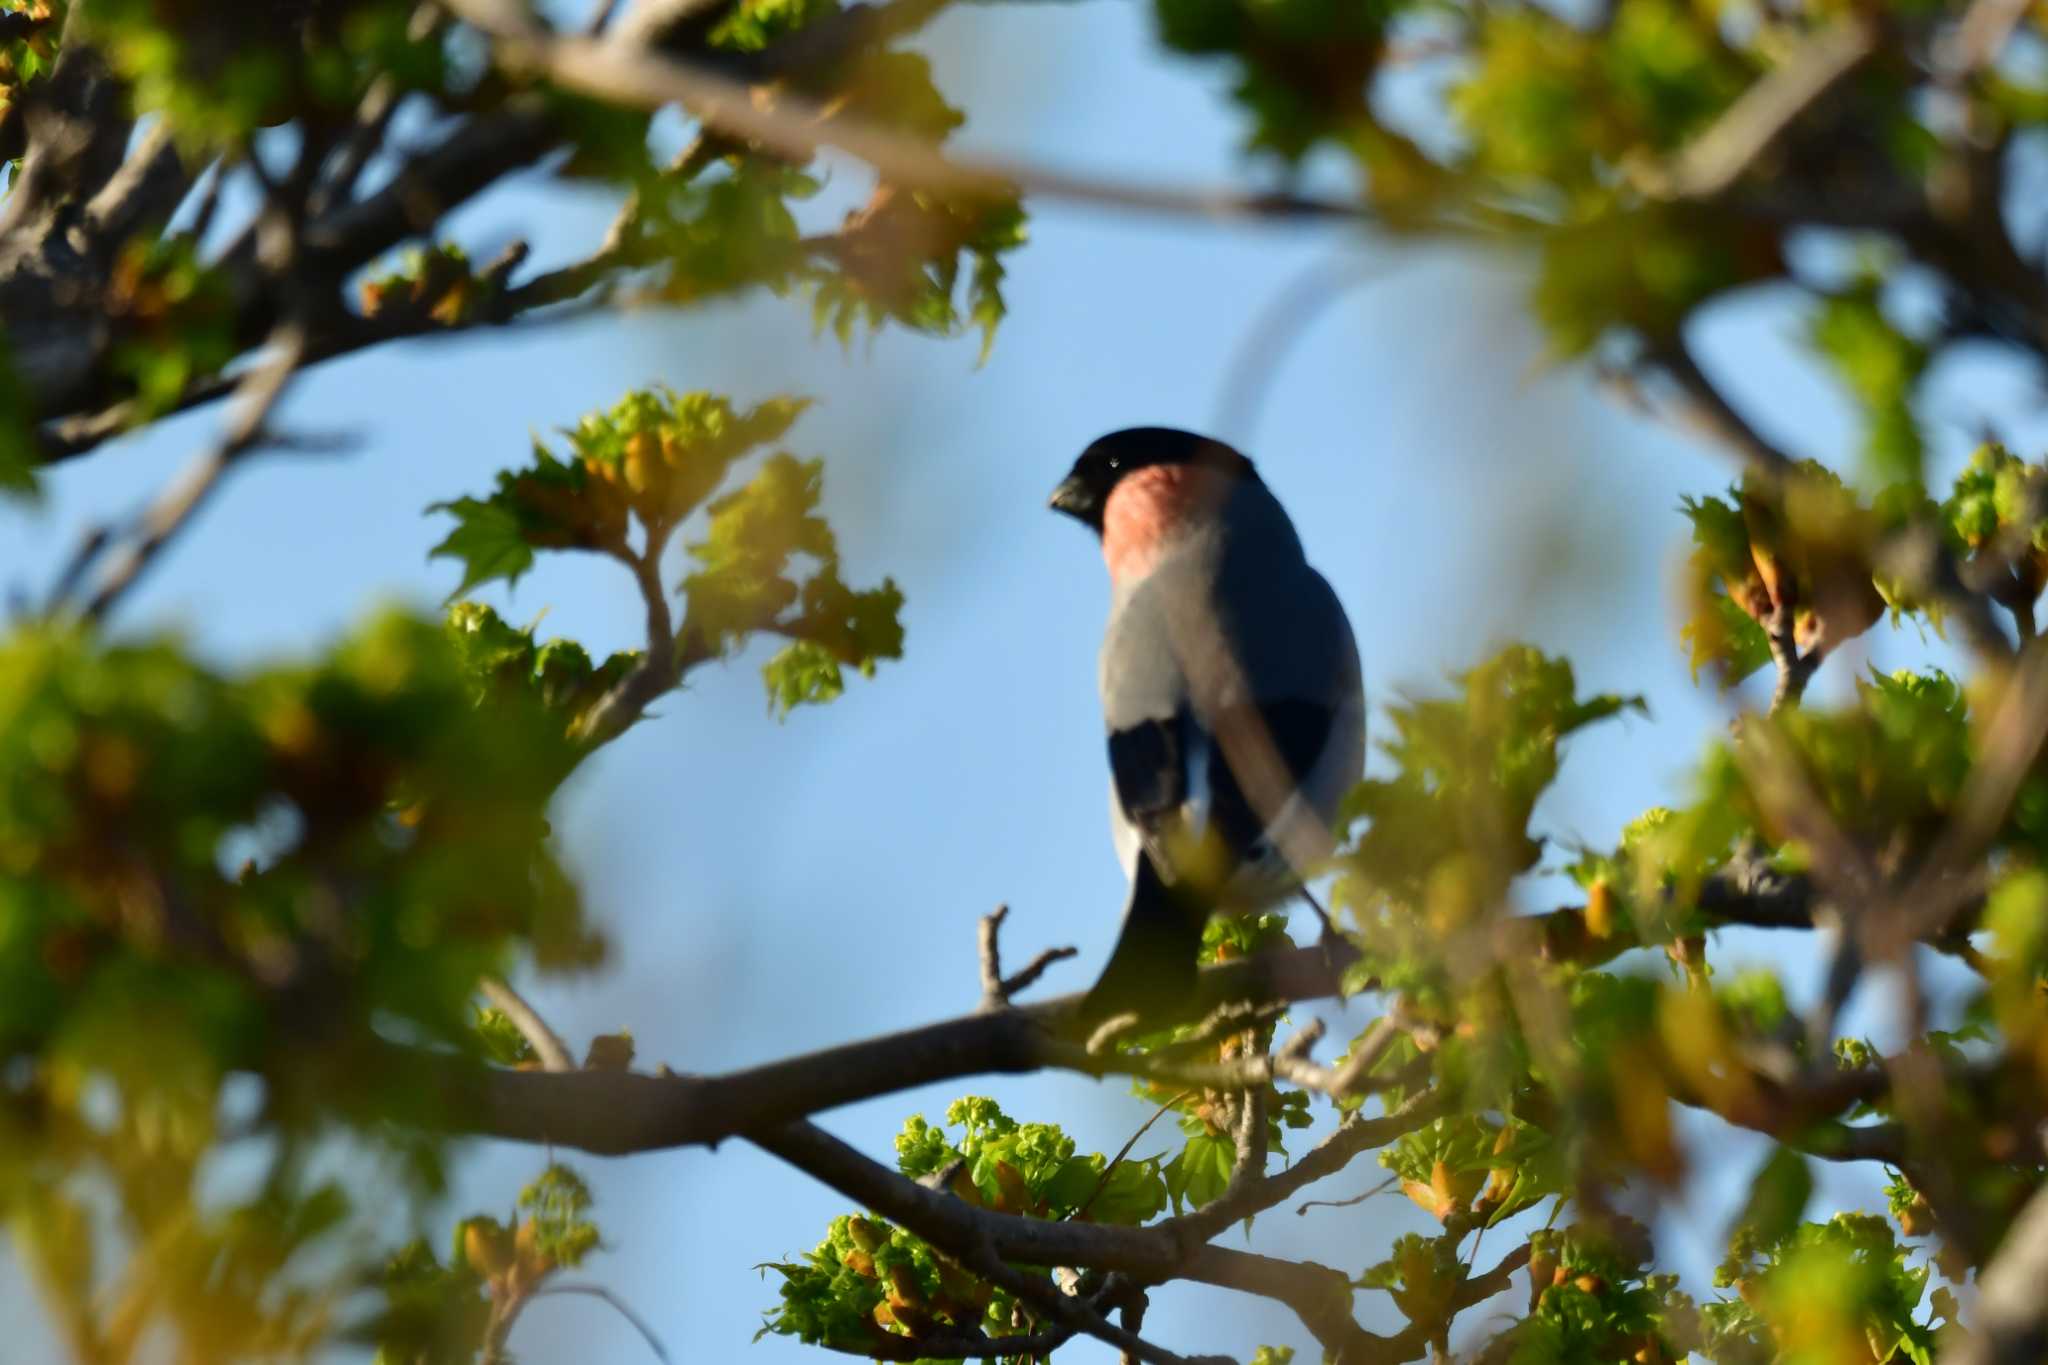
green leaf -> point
(557, 1200)
(502, 1041)
(1881, 367)
(488, 542)
(1200, 1171)
(801, 674)
(1777, 1197)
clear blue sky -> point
(773, 887)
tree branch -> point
(618, 1112)
(1733, 143)
(176, 505)
(2012, 1312)
(997, 989)
(797, 127)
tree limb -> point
(618, 1112)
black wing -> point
(1149, 763)
(1300, 731)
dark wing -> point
(1148, 762)
(1300, 731)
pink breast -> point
(1147, 508)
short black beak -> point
(1075, 498)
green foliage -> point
(557, 673)
(1454, 819)
(901, 260)
(1443, 1166)
(502, 1041)
(219, 73)
(743, 584)
(435, 282)
(1029, 1168)
(1990, 498)
(1592, 1298)
(293, 876)
(174, 320)
(753, 24)
(555, 1204)
(18, 451)
(25, 60)
(1881, 366)
(148, 980)
(1804, 546)
(550, 505)
(868, 1280)
(433, 1314)
(1819, 1291)
(1421, 1275)
(631, 476)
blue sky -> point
(773, 887)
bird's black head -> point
(1085, 491)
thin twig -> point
(997, 990)
(1102, 1181)
(1793, 668)
(1700, 405)
(1375, 1191)
(373, 119)
(209, 200)
(1072, 1313)
(659, 669)
(257, 396)
(598, 1291)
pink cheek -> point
(1139, 518)
(1129, 539)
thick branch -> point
(2012, 1312)
(618, 1112)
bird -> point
(1232, 697)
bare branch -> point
(624, 1310)
(1794, 669)
(997, 990)
(616, 1112)
(797, 127)
(2011, 744)
(1717, 158)
(1986, 27)
(659, 669)
(2012, 1312)
(175, 506)
(1301, 1210)
(1699, 404)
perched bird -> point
(1231, 692)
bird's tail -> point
(1152, 969)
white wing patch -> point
(1195, 806)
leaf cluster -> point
(213, 885)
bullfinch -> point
(1231, 693)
